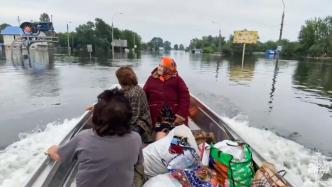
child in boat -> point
(166, 87)
(141, 119)
(108, 152)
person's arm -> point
(184, 101)
(135, 103)
(139, 169)
(66, 151)
(53, 152)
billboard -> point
(245, 37)
(120, 43)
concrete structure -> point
(18, 43)
(10, 34)
(120, 45)
(196, 51)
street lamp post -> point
(68, 45)
(219, 38)
(112, 33)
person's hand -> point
(89, 108)
(178, 121)
(52, 152)
(160, 135)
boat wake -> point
(20, 159)
(304, 167)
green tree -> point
(86, 35)
(167, 45)
(99, 34)
(44, 18)
(103, 35)
(315, 37)
(181, 47)
(3, 26)
(155, 43)
(209, 44)
(176, 47)
(133, 39)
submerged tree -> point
(44, 18)
(99, 34)
(167, 45)
(315, 37)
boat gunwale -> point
(52, 166)
(48, 164)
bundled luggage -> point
(233, 163)
(192, 159)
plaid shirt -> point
(140, 110)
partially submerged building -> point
(10, 34)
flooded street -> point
(291, 100)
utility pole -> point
(282, 21)
(68, 45)
(134, 41)
(112, 33)
(219, 38)
(281, 29)
(112, 41)
(220, 42)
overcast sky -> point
(175, 20)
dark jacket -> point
(140, 111)
(172, 92)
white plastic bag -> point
(164, 180)
(156, 155)
(231, 148)
(204, 153)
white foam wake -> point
(304, 167)
(20, 159)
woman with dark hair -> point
(141, 119)
(108, 152)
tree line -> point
(99, 34)
(314, 40)
(157, 43)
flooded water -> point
(291, 99)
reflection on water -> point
(298, 92)
(41, 77)
(273, 87)
(315, 79)
(242, 74)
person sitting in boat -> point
(166, 87)
(141, 119)
(108, 152)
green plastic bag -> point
(240, 173)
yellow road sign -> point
(245, 37)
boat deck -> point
(55, 174)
